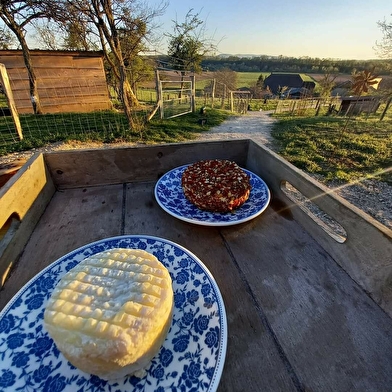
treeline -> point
(294, 64)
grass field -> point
(107, 127)
(247, 79)
(332, 146)
(338, 148)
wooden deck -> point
(297, 319)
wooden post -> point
(386, 108)
(158, 87)
(231, 101)
(10, 99)
(213, 93)
(193, 95)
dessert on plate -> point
(216, 185)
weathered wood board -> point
(297, 319)
(23, 199)
(67, 81)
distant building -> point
(277, 81)
(356, 105)
(296, 93)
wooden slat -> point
(253, 361)
(335, 337)
(331, 333)
(6, 87)
(71, 220)
(23, 199)
(55, 59)
(297, 321)
(105, 166)
(74, 98)
(69, 78)
(366, 254)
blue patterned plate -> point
(170, 196)
(191, 358)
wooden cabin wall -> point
(67, 81)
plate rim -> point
(223, 316)
(206, 223)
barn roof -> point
(275, 81)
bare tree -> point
(111, 21)
(6, 39)
(384, 47)
(67, 30)
(46, 34)
(225, 81)
(327, 83)
(16, 15)
(189, 44)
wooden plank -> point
(72, 219)
(5, 82)
(334, 335)
(365, 255)
(62, 84)
(63, 88)
(296, 320)
(23, 199)
(60, 76)
(68, 73)
(105, 166)
(64, 62)
(13, 61)
(75, 99)
(55, 59)
(253, 361)
(78, 108)
(18, 75)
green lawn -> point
(337, 147)
(247, 79)
(107, 127)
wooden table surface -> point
(296, 320)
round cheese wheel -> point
(110, 314)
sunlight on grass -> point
(105, 127)
(319, 146)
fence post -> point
(10, 99)
(158, 86)
(213, 93)
(193, 95)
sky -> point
(336, 29)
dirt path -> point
(253, 125)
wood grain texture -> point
(110, 166)
(366, 254)
(297, 320)
(335, 337)
(252, 355)
(67, 82)
(71, 220)
(23, 199)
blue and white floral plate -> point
(191, 358)
(170, 196)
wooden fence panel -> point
(67, 81)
